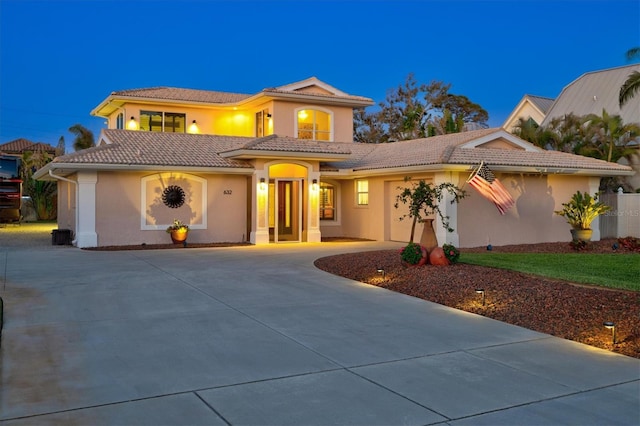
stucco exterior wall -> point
(476, 222)
(532, 219)
(284, 119)
(66, 205)
(123, 219)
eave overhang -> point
(66, 169)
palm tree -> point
(84, 137)
(608, 137)
(632, 85)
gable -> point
(501, 140)
(500, 144)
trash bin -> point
(61, 237)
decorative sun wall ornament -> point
(173, 196)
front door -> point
(288, 203)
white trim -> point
(86, 235)
(312, 81)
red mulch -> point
(562, 309)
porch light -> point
(263, 184)
(481, 291)
(314, 184)
(132, 124)
(611, 326)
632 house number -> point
(227, 192)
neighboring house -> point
(17, 147)
(281, 166)
(591, 93)
(530, 107)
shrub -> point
(411, 253)
(451, 253)
(630, 243)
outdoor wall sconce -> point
(380, 270)
(611, 326)
(314, 184)
(268, 115)
(481, 291)
(193, 128)
(263, 184)
(132, 125)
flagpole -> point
(475, 172)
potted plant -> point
(178, 231)
(579, 212)
(424, 200)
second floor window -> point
(314, 124)
(120, 121)
(157, 121)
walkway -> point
(257, 335)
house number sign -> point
(227, 192)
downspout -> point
(76, 200)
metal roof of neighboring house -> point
(137, 150)
(594, 91)
(542, 103)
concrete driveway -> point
(259, 336)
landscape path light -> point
(481, 291)
(611, 326)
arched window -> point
(120, 121)
(314, 124)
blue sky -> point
(60, 59)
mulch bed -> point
(559, 308)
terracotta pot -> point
(428, 238)
(179, 236)
(437, 257)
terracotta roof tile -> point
(178, 94)
(288, 144)
(137, 148)
(18, 146)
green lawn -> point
(620, 271)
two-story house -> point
(281, 166)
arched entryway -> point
(287, 204)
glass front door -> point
(287, 210)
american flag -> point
(485, 182)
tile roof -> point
(133, 149)
(178, 94)
(275, 143)
(18, 146)
(214, 97)
(451, 150)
